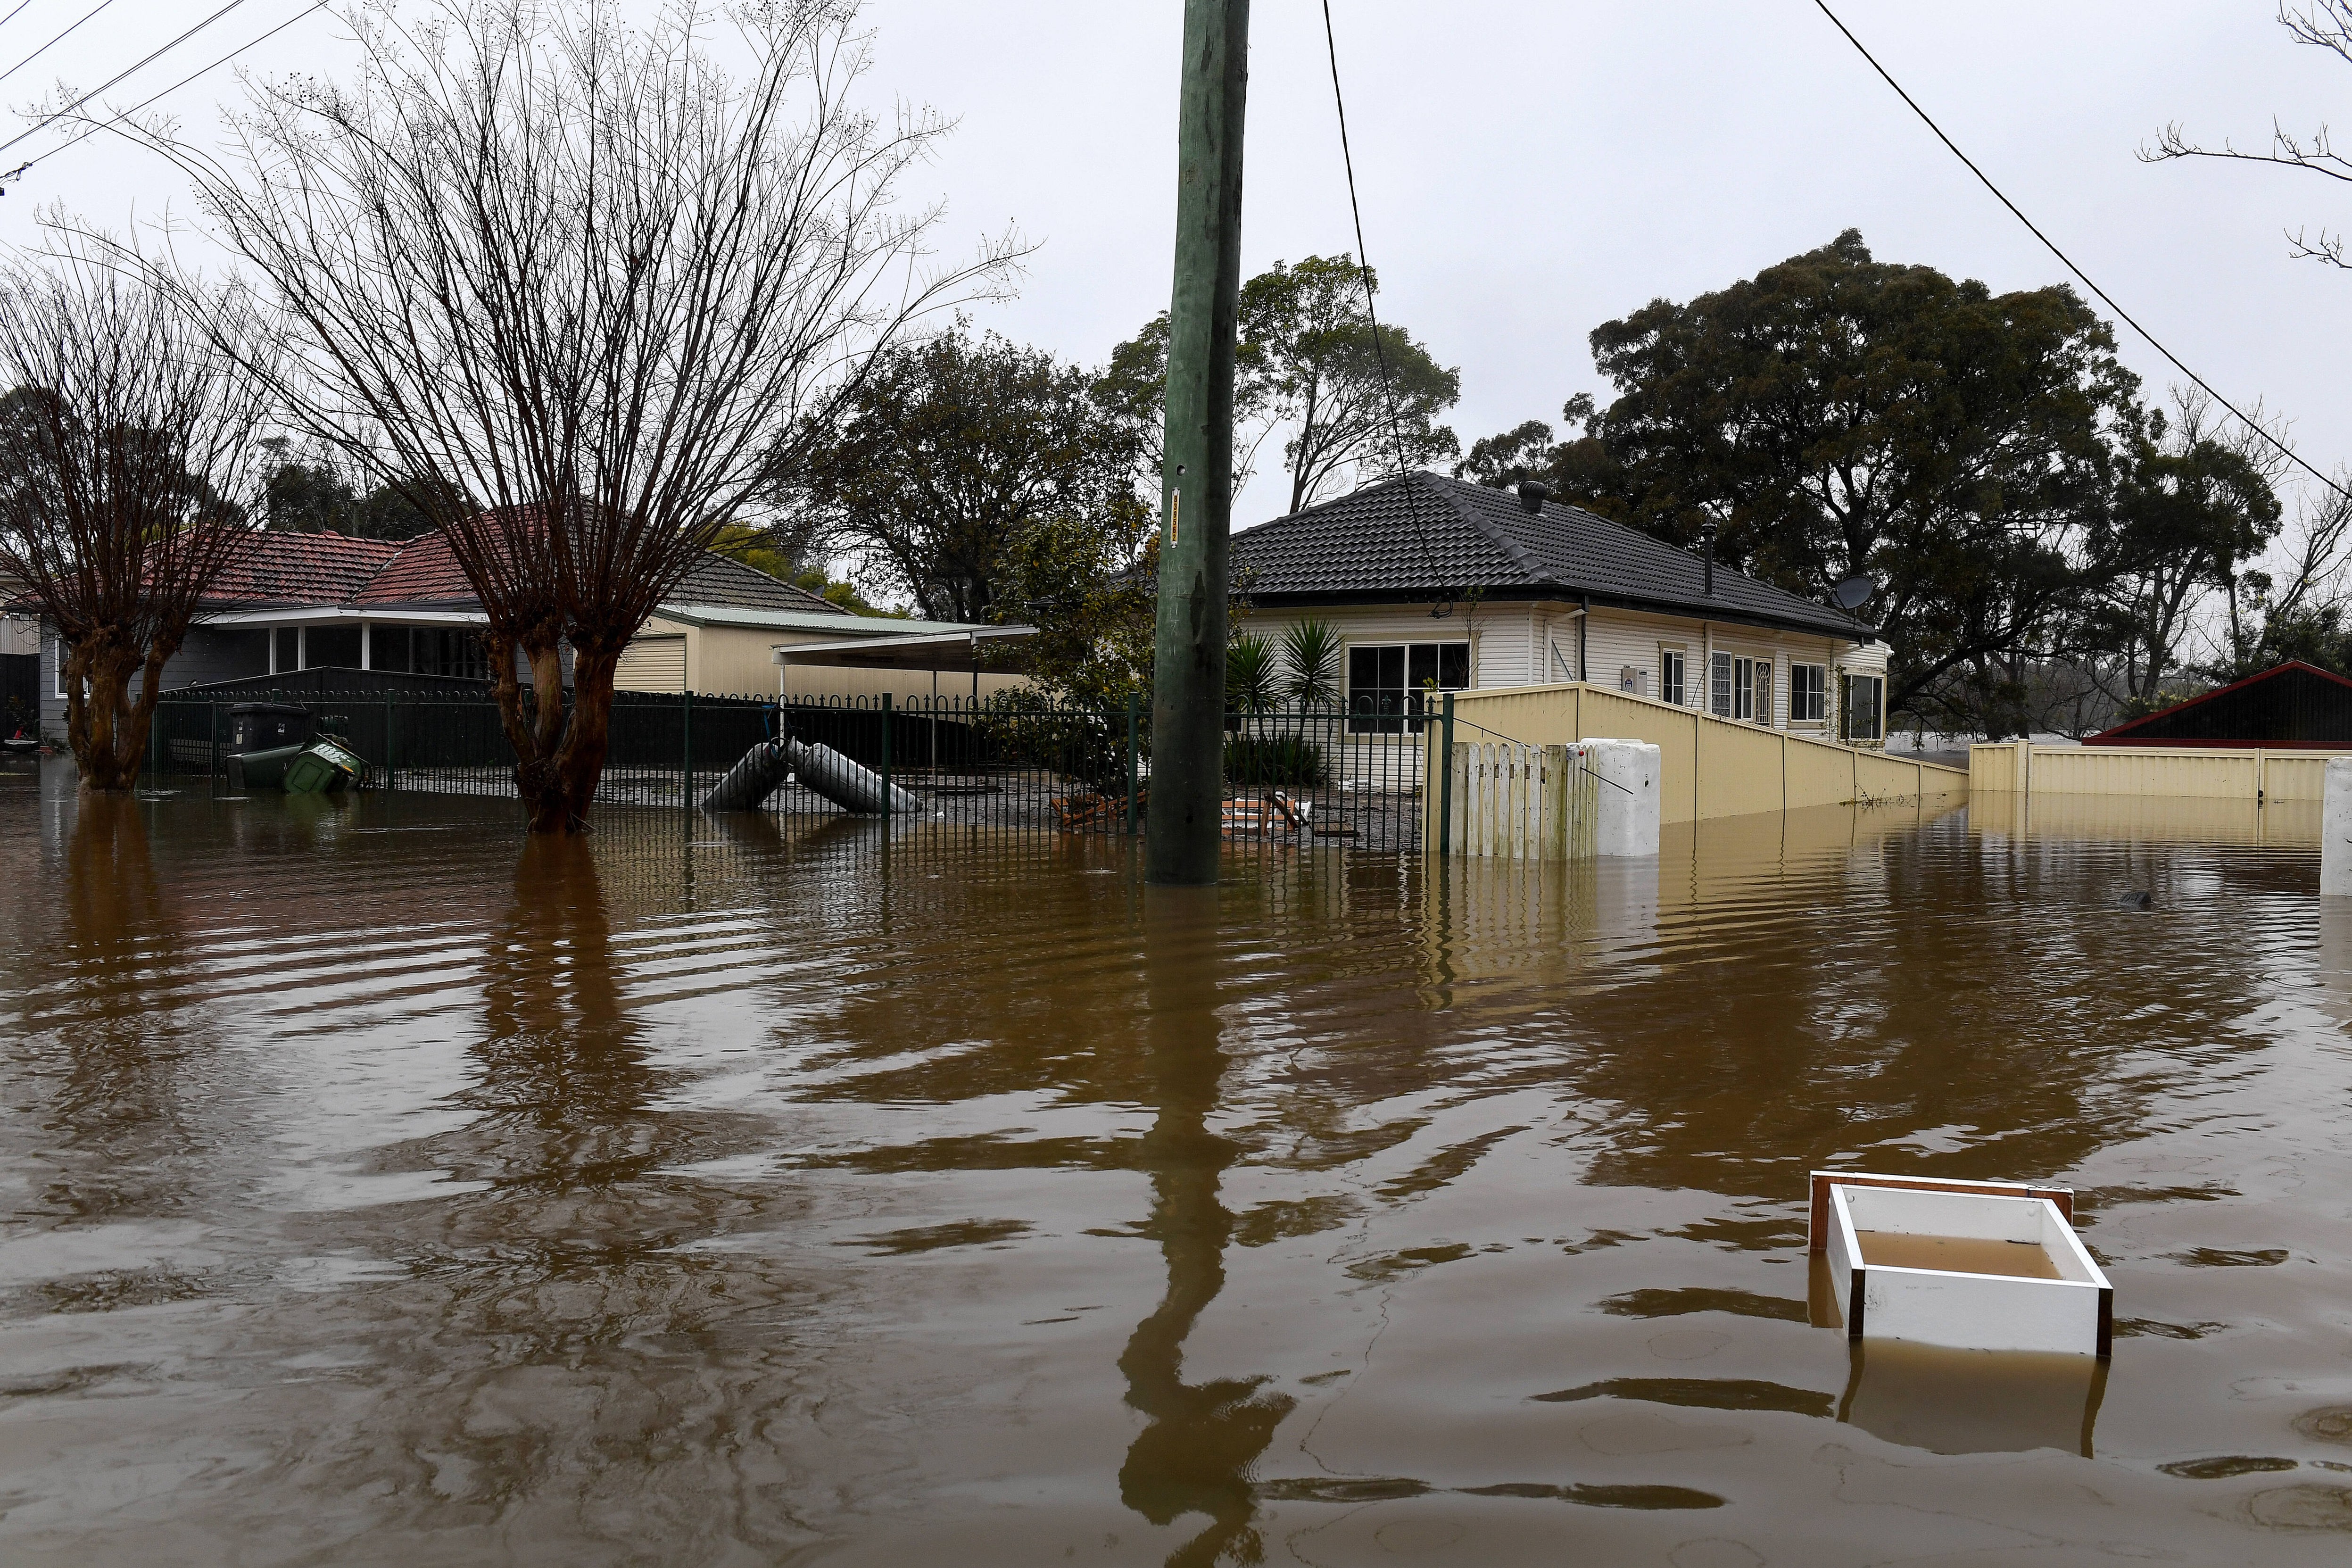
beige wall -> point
(1531, 644)
(737, 661)
(2171, 772)
(1709, 767)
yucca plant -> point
(1251, 683)
(1312, 648)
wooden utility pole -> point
(1188, 675)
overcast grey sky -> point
(1530, 170)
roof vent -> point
(1533, 493)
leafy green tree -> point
(1523, 452)
(1306, 362)
(308, 493)
(950, 455)
(2191, 503)
(1354, 398)
(1837, 416)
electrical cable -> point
(2284, 450)
(143, 103)
(1445, 606)
(45, 48)
(52, 119)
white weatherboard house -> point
(1532, 592)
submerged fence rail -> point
(1293, 775)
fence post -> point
(886, 753)
(685, 749)
(1131, 700)
(212, 752)
(389, 776)
(1445, 777)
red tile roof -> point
(300, 569)
(425, 571)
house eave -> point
(1561, 593)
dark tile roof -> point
(1424, 535)
(300, 569)
(717, 580)
(426, 573)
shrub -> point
(1265, 759)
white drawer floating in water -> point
(1991, 1266)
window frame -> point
(1408, 716)
(1673, 673)
(1877, 730)
(1820, 694)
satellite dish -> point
(1854, 593)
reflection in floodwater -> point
(1973, 1401)
(385, 1189)
(1196, 1453)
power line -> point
(45, 48)
(166, 92)
(119, 118)
(48, 120)
(1371, 311)
(2178, 364)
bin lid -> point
(285, 707)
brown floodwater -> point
(1956, 1254)
(382, 1189)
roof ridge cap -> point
(1519, 554)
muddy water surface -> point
(381, 1190)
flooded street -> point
(381, 1189)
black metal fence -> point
(1292, 776)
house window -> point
(1742, 688)
(440, 651)
(1809, 692)
(1863, 693)
(57, 673)
(1670, 677)
(1388, 685)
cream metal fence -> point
(2166, 773)
(1710, 767)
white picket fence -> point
(1511, 802)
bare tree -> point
(579, 295)
(128, 464)
(2324, 25)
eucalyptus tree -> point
(1836, 415)
(580, 296)
(129, 466)
(1356, 403)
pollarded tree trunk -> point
(580, 765)
(534, 720)
(106, 728)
